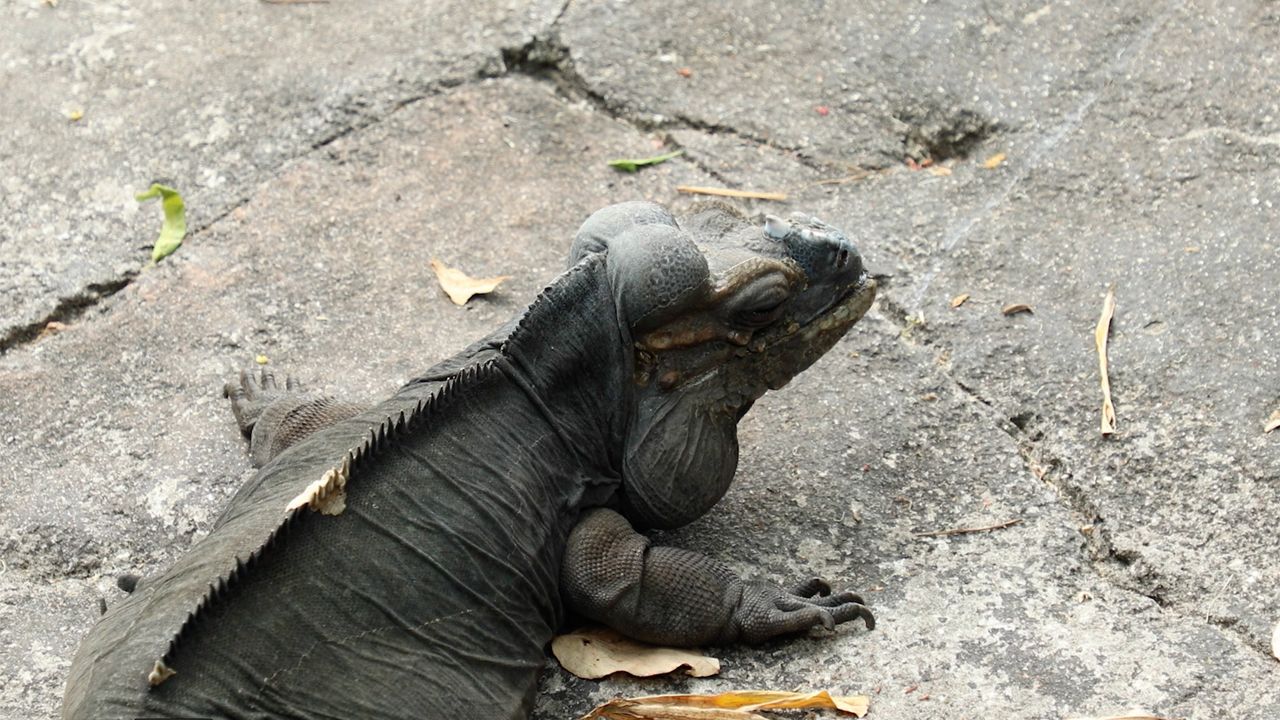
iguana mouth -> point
(837, 317)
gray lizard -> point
(414, 559)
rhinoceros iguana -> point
(414, 559)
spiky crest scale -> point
(337, 478)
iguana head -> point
(720, 310)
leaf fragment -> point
(174, 228)
(595, 652)
(736, 705)
(1273, 422)
(461, 287)
(729, 192)
(994, 161)
(262, 359)
(1015, 308)
(634, 164)
(959, 300)
(1100, 333)
(75, 115)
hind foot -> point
(254, 393)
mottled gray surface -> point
(328, 151)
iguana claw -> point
(766, 610)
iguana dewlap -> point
(413, 560)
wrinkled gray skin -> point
(414, 559)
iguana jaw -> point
(789, 350)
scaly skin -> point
(414, 559)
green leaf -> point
(175, 220)
(633, 164)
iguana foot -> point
(254, 393)
(766, 610)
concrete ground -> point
(327, 151)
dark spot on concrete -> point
(937, 134)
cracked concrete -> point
(328, 151)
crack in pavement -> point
(68, 308)
(1045, 145)
(1112, 565)
(546, 58)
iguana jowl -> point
(413, 560)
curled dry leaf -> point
(1273, 422)
(737, 705)
(959, 300)
(459, 286)
(1016, 308)
(1100, 333)
(994, 161)
(596, 652)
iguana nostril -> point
(842, 258)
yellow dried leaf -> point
(75, 115)
(729, 192)
(725, 706)
(596, 652)
(1100, 333)
(262, 360)
(994, 161)
(1016, 308)
(1273, 422)
(959, 300)
(460, 287)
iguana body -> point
(414, 559)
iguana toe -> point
(811, 587)
(253, 393)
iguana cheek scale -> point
(413, 560)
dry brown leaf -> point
(1108, 422)
(595, 652)
(1016, 308)
(940, 170)
(1273, 422)
(959, 300)
(994, 161)
(459, 286)
(738, 705)
(727, 192)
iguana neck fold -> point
(571, 354)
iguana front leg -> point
(275, 418)
(670, 596)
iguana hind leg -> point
(671, 596)
(274, 418)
